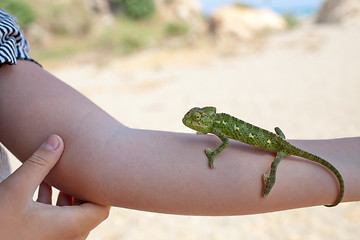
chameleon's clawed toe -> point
(208, 152)
(267, 185)
(265, 178)
(211, 157)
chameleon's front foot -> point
(211, 157)
(268, 185)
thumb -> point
(33, 171)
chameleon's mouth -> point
(192, 124)
(187, 122)
(200, 126)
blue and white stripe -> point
(13, 44)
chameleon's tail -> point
(301, 153)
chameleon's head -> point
(200, 119)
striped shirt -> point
(13, 44)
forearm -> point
(108, 163)
(169, 172)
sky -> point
(297, 7)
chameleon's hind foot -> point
(268, 184)
(211, 157)
(269, 180)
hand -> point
(22, 218)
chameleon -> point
(206, 120)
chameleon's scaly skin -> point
(206, 120)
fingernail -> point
(52, 143)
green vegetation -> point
(176, 29)
(19, 9)
(139, 8)
(291, 20)
(136, 9)
(127, 36)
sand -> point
(306, 81)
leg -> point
(279, 133)
(269, 181)
(211, 154)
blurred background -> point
(293, 64)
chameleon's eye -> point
(196, 116)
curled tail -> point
(301, 153)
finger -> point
(28, 176)
(64, 200)
(89, 215)
(76, 221)
(45, 193)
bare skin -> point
(108, 163)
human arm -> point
(22, 218)
(108, 163)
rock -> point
(186, 11)
(245, 23)
(102, 9)
(336, 11)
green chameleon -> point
(206, 120)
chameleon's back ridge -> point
(225, 126)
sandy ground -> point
(306, 81)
